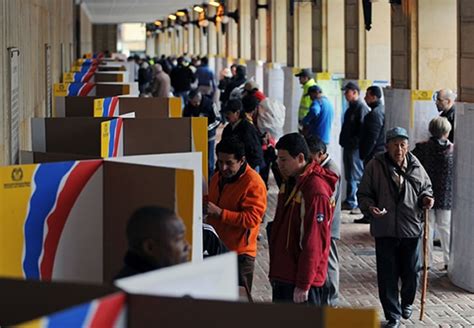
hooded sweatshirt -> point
(301, 232)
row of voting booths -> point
(63, 211)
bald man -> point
(156, 239)
(445, 99)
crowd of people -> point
(387, 183)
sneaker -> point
(356, 210)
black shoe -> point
(362, 220)
(407, 310)
(392, 323)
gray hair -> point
(439, 127)
(448, 94)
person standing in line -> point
(349, 139)
(300, 236)
(318, 151)
(437, 157)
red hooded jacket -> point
(301, 232)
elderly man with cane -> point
(394, 190)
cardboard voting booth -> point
(110, 137)
(66, 220)
(143, 107)
(93, 106)
(111, 76)
(25, 300)
(63, 90)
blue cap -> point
(396, 132)
(314, 88)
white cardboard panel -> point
(461, 266)
(84, 224)
(291, 98)
(214, 279)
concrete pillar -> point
(212, 34)
(279, 11)
(424, 54)
(291, 99)
(232, 32)
(245, 35)
(333, 36)
(150, 46)
(378, 44)
(197, 40)
(190, 36)
(302, 34)
(263, 31)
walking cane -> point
(425, 263)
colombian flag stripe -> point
(76, 180)
(46, 183)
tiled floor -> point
(447, 305)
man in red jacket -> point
(301, 232)
(237, 203)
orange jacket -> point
(243, 203)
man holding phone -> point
(393, 192)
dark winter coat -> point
(438, 160)
(352, 125)
(372, 137)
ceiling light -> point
(172, 17)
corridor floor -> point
(446, 306)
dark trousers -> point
(397, 259)
(246, 268)
(282, 292)
(353, 170)
(331, 286)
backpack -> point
(271, 117)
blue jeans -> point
(210, 157)
(353, 170)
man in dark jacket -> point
(349, 141)
(394, 189)
(240, 126)
(181, 79)
(319, 154)
(236, 83)
(301, 238)
(372, 136)
(156, 239)
(445, 99)
(202, 106)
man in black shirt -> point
(156, 239)
(445, 99)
